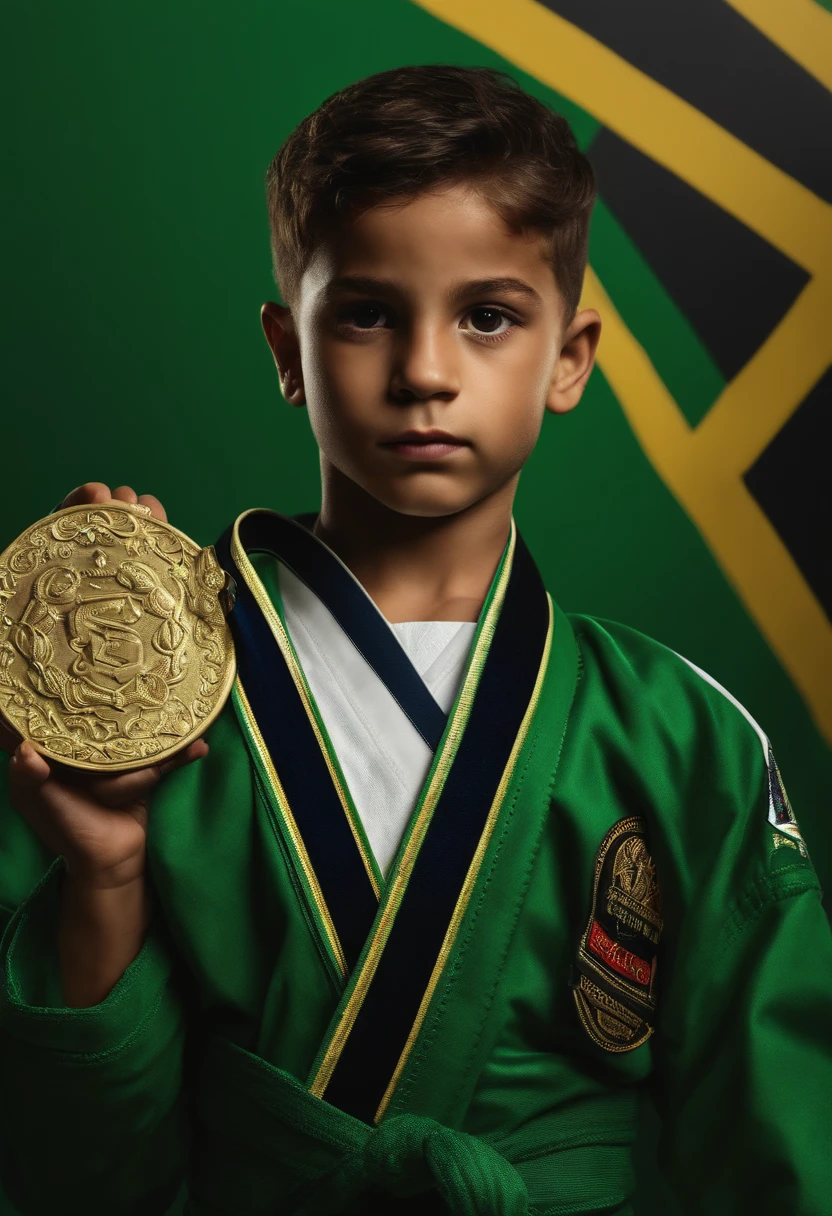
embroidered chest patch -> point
(616, 959)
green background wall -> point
(136, 258)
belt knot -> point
(409, 1154)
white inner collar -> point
(384, 759)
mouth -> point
(424, 445)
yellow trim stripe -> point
(281, 637)
(740, 536)
(801, 28)
(292, 828)
(653, 119)
(764, 394)
(704, 468)
(473, 871)
(399, 880)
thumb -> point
(28, 769)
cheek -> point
(340, 388)
(515, 388)
(532, 364)
(519, 435)
(342, 376)
(320, 373)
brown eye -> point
(488, 323)
(486, 320)
(366, 316)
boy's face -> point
(427, 340)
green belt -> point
(265, 1146)
(408, 1155)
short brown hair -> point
(401, 132)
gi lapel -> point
(463, 1012)
(322, 571)
(294, 764)
(297, 767)
(394, 953)
(439, 860)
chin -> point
(425, 502)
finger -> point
(120, 788)
(156, 508)
(125, 494)
(9, 739)
(111, 790)
(195, 751)
(28, 770)
(89, 492)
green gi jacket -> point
(639, 910)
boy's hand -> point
(97, 494)
(97, 822)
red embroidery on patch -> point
(621, 960)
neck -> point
(416, 568)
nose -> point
(425, 365)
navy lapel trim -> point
(324, 573)
(348, 895)
(369, 1035)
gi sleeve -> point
(744, 1049)
(91, 1117)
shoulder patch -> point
(614, 988)
(780, 813)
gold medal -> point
(114, 648)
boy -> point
(459, 875)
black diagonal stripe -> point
(708, 54)
(320, 570)
(732, 286)
(790, 481)
(379, 1034)
(294, 749)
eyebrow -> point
(472, 287)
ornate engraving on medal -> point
(114, 648)
(615, 967)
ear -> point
(575, 362)
(279, 328)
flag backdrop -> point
(688, 495)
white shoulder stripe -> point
(715, 684)
(785, 827)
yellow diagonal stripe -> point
(761, 398)
(704, 467)
(801, 28)
(740, 536)
(653, 119)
